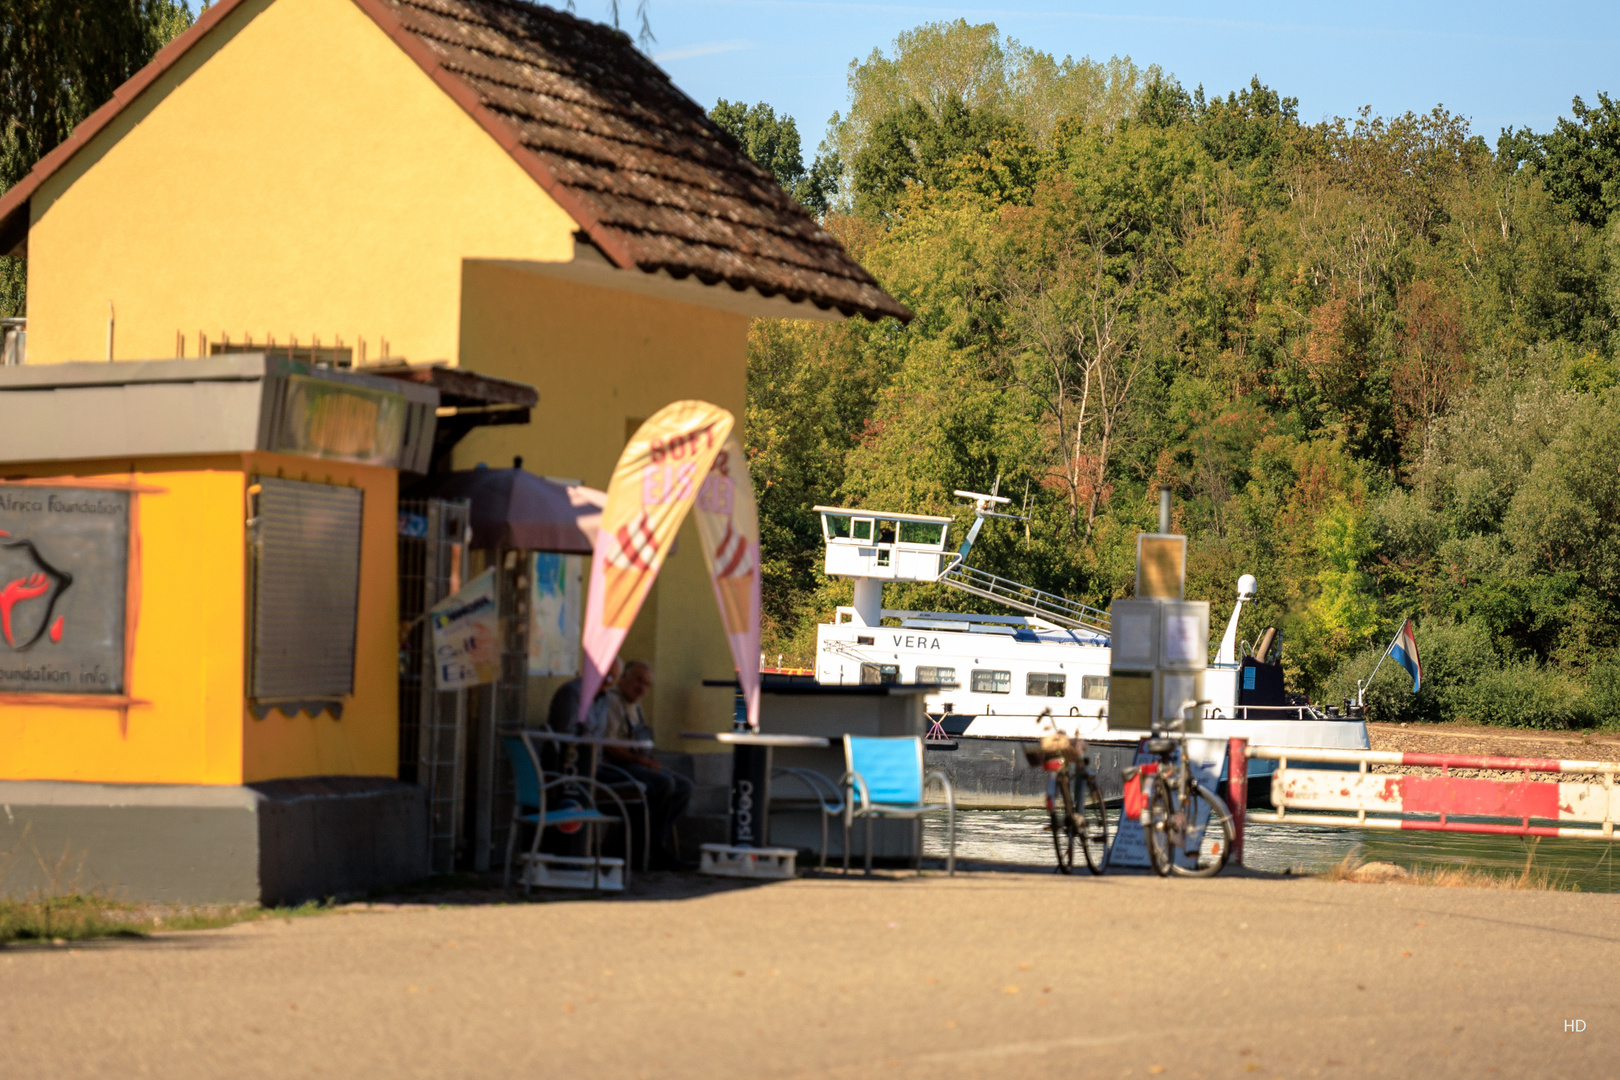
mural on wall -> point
(64, 570)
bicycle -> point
(1074, 800)
(1177, 811)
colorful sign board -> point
(466, 639)
(64, 576)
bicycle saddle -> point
(1160, 746)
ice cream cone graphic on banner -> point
(653, 486)
(728, 525)
(629, 571)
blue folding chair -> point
(530, 792)
(884, 778)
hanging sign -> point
(654, 485)
(64, 573)
(728, 524)
(466, 641)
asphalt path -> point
(984, 975)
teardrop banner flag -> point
(728, 525)
(653, 487)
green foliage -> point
(773, 143)
(911, 148)
(1579, 159)
(1524, 694)
(938, 64)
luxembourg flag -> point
(1404, 650)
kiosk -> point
(199, 629)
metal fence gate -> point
(500, 707)
(433, 536)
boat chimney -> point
(1164, 510)
(868, 601)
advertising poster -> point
(728, 524)
(64, 572)
(466, 639)
(653, 487)
(554, 614)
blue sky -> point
(1499, 64)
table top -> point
(755, 738)
(587, 740)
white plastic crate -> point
(572, 872)
(723, 860)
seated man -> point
(563, 715)
(618, 715)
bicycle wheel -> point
(1095, 840)
(1060, 809)
(1216, 843)
(1157, 829)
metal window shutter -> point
(306, 589)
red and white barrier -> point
(1313, 796)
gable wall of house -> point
(294, 174)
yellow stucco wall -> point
(295, 174)
(601, 357)
(188, 663)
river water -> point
(1022, 838)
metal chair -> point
(530, 788)
(821, 794)
(563, 760)
(884, 777)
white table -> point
(751, 777)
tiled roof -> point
(650, 180)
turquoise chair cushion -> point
(891, 767)
(525, 780)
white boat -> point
(997, 674)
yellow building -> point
(478, 182)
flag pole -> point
(1361, 687)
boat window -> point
(885, 532)
(921, 532)
(883, 556)
(1094, 687)
(877, 674)
(935, 676)
(836, 525)
(991, 682)
(861, 529)
(1045, 684)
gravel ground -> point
(1475, 739)
(980, 977)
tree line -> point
(1374, 357)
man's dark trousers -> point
(667, 795)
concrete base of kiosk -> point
(279, 842)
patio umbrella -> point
(515, 508)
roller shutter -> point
(306, 589)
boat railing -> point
(1049, 606)
(1278, 712)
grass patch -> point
(1531, 877)
(78, 917)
